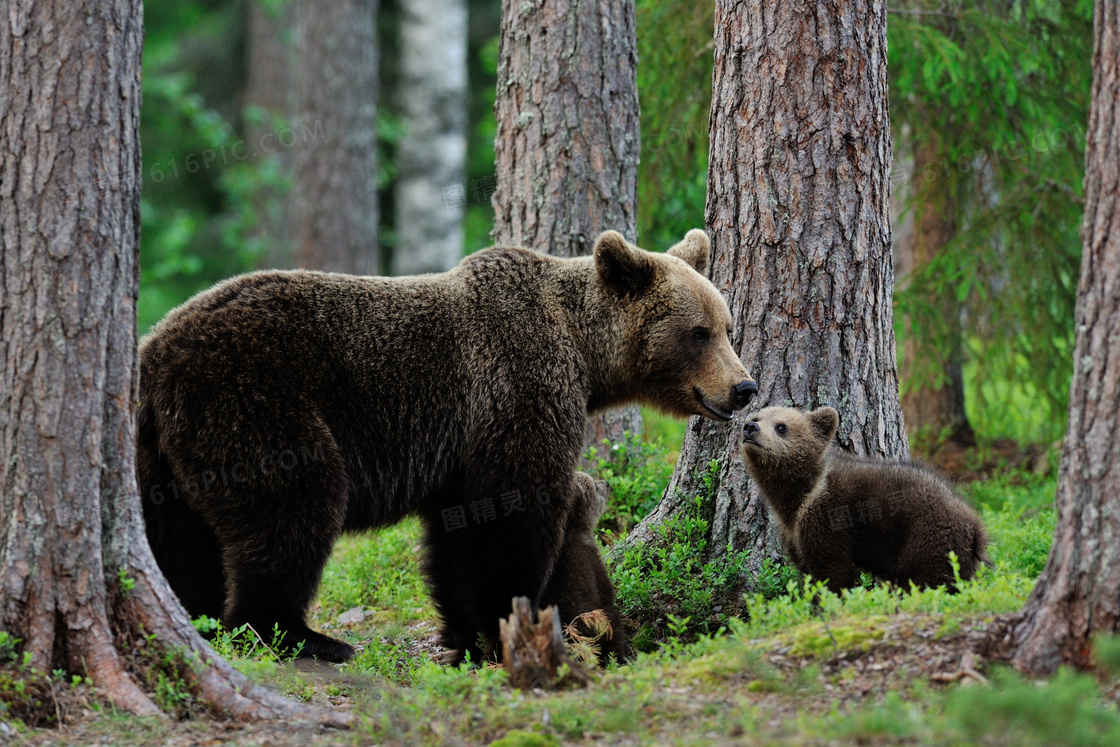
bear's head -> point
(675, 326)
(788, 439)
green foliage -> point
(379, 571)
(1066, 710)
(999, 93)
(671, 585)
(521, 738)
(675, 89)
(1018, 512)
(637, 473)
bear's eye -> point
(781, 429)
(700, 334)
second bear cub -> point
(840, 514)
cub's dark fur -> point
(580, 582)
(279, 409)
(839, 514)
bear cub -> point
(839, 514)
(580, 582)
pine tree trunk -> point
(932, 372)
(334, 198)
(70, 523)
(432, 153)
(798, 215)
(566, 152)
(269, 93)
(1078, 593)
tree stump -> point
(533, 650)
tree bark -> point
(798, 215)
(1078, 593)
(567, 146)
(432, 153)
(334, 198)
(70, 524)
(932, 370)
(269, 91)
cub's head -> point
(675, 325)
(788, 437)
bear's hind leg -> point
(273, 577)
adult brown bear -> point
(280, 409)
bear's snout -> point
(742, 392)
(750, 428)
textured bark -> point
(566, 151)
(334, 198)
(798, 216)
(932, 375)
(1078, 593)
(69, 237)
(269, 88)
(432, 153)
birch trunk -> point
(433, 151)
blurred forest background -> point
(989, 102)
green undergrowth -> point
(700, 674)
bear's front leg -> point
(485, 547)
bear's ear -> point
(825, 422)
(621, 266)
(694, 248)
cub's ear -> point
(694, 248)
(624, 268)
(825, 422)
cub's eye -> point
(781, 429)
(700, 334)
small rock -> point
(351, 616)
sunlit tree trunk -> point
(334, 195)
(432, 99)
(1078, 593)
(798, 215)
(77, 580)
(568, 137)
(932, 364)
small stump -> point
(533, 650)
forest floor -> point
(875, 666)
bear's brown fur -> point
(279, 409)
(838, 513)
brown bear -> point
(280, 409)
(839, 513)
(580, 582)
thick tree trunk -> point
(334, 197)
(70, 524)
(798, 216)
(932, 375)
(566, 152)
(432, 153)
(1078, 593)
(270, 95)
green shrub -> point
(637, 472)
(672, 579)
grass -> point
(801, 666)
